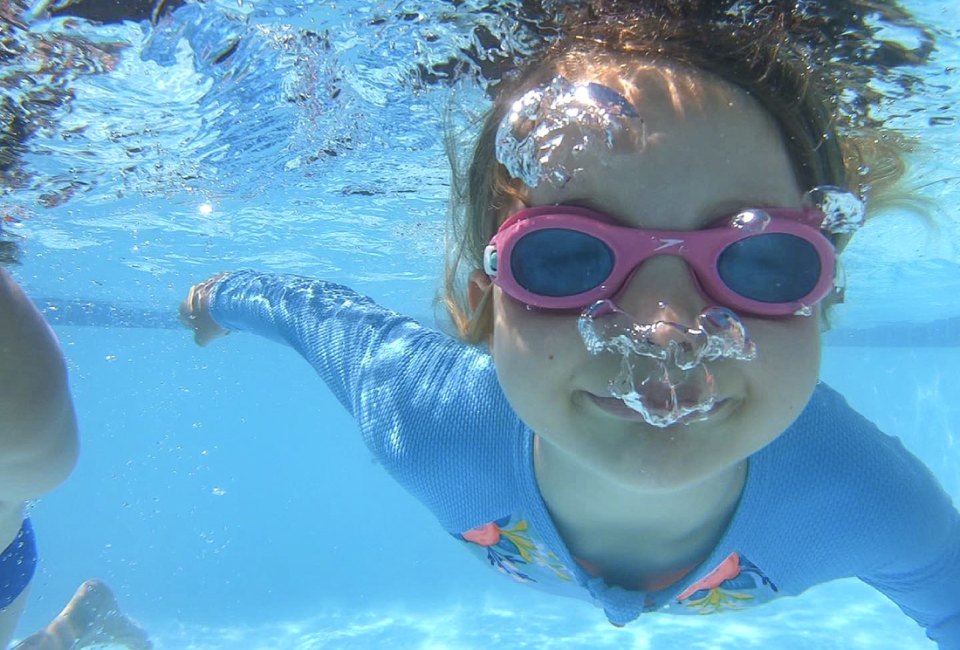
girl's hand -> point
(195, 311)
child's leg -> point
(91, 618)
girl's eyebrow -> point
(711, 215)
(588, 204)
(733, 206)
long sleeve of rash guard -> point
(425, 402)
(352, 342)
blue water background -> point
(222, 492)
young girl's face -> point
(710, 151)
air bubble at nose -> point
(601, 308)
(677, 384)
(667, 396)
(726, 336)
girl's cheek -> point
(787, 350)
(540, 336)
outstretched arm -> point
(38, 429)
(354, 344)
(428, 407)
(917, 554)
(924, 578)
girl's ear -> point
(478, 286)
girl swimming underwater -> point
(645, 251)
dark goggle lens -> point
(774, 267)
(556, 262)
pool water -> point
(222, 492)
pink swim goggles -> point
(764, 262)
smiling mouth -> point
(617, 408)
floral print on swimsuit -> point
(734, 584)
(511, 548)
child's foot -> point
(92, 618)
(94, 614)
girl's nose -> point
(662, 288)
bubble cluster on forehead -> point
(636, 76)
(630, 75)
(784, 92)
(598, 108)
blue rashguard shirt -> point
(832, 497)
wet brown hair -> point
(761, 57)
